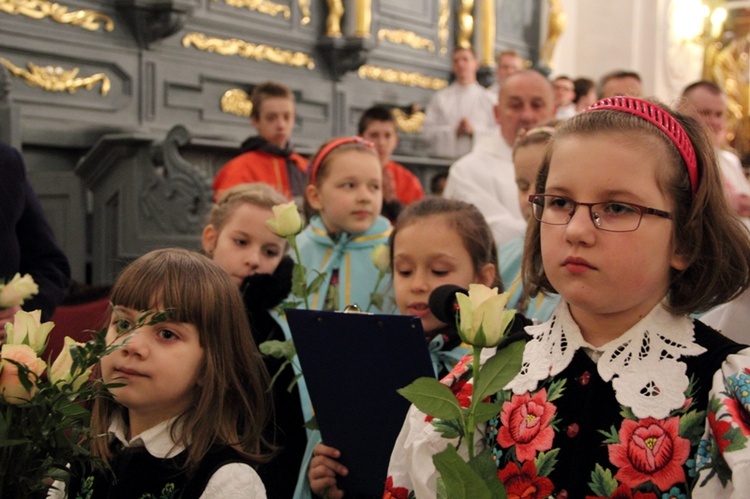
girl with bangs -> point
(187, 406)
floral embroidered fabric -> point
(572, 427)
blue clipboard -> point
(353, 364)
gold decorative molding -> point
(444, 17)
(362, 18)
(408, 123)
(57, 79)
(410, 79)
(333, 20)
(39, 9)
(236, 102)
(304, 7)
(465, 24)
(234, 46)
(262, 6)
(404, 37)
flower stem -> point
(381, 274)
(293, 244)
(471, 425)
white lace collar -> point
(642, 364)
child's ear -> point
(313, 197)
(679, 262)
(487, 274)
(208, 240)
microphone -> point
(443, 303)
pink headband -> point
(662, 120)
(330, 147)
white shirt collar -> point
(642, 363)
(157, 440)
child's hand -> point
(323, 470)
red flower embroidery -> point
(524, 483)
(458, 370)
(392, 492)
(624, 492)
(738, 413)
(719, 428)
(650, 449)
(525, 422)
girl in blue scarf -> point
(344, 197)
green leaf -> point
(499, 370)
(555, 390)
(447, 428)
(734, 435)
(484, 411)
(602, 483)
(312, 424)
(691, 425)
(433, 398)
(316, 283)
(545, 462)
(611, 436)
(460, 480)
(486, 468)
(299, 280)
(278, 349)
(627, 413)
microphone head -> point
(443, 303)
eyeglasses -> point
(612, 216)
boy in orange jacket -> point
(268, 157)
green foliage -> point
(40, 438)
(499, 370)
(433, 398)
(602, 482)
(467, 480)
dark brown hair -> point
(462, 217)
(263, 91)
(230, 406)
(714, 243)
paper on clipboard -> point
(353, 364)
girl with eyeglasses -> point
(621, 393)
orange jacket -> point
(408, 187)
(258, 166)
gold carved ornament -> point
(403, 37)
(262, 6)
(236, 102)
(408, 123)
(57, 79)
(410, 79)
(234, 46)
(39, 9)
(304, 7)
(465, 24)
(444, 17)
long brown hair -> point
(229, 406)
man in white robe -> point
(485, 177)
(456, 114)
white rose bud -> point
(17, 291)
(381, 258)
(483, 318)
(60, 372)
(286, 220)
(27, 329)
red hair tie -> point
(662, 120)
(330, 147)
